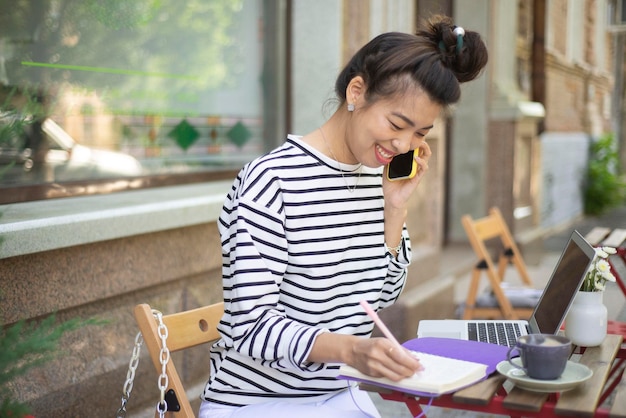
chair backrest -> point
(184, 330)
(479, 232)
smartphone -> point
(402, 166)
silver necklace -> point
(340, 167)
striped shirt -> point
(299, 251)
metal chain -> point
(164, 358)
(130, 375)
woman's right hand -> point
(379, 357)
(397, 193)
(376, 357)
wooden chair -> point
(185, 330)
(480, 231)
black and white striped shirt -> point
(299, 250)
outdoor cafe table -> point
(603, 395)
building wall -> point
(565, 103)
(488, 167)
(577, 99)
(579, 67)
(578, 103)
(468, 137)
(557, 18)
(564, 162)
(500, 153)
(316, 61)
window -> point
(123, 94)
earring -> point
(350, 107)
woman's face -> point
(378, 132)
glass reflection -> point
(92, 89)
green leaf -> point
(605, 186)
(25, 345)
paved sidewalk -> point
(461, 258)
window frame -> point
(275, 115)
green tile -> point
(239, 134)
(184, 134)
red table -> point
(600, 396)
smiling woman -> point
(312, 228)
(141, 93)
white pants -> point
(352, 403)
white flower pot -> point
(585, 323)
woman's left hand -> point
(398, 192)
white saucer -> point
(573, 375)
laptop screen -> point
(561, 289)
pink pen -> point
(380, 323)
(382, 326)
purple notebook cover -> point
(478, 352)
(485, 353)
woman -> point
(314, 227)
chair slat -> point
(184, 330)
(197, 326)
(487, 228)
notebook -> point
(477, 361)
(548, 315)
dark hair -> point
(429, 59)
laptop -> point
(548, 314)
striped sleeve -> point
(256, 260)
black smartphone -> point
(402, 166)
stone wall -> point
(172, 270)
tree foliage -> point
(24, 346)
(138, 52)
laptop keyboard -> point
(494, 332)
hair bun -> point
(460, 50)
